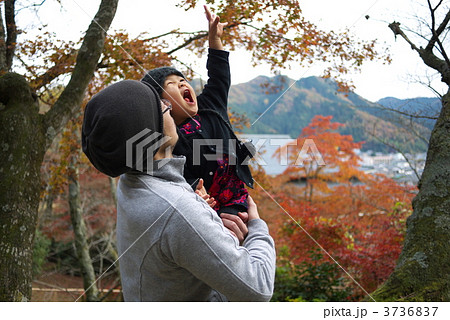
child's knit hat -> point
(122, 127)
(156, 77)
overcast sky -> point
(156, 17)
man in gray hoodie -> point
(172, 245)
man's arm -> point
(197, 241)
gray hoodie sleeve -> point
(196, 240)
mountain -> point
(280, 105)
(428, 107)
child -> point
(205, 117)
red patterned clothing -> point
(228, 191)
(226, 188)
(192, 125)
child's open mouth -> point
(187, 96)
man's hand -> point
(201, 191)
(236, 224)
(215, 30)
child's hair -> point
(156, 77)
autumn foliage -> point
(327, 210)
(354, 220)
(331, 218)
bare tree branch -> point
(440, 29)
(34, 5)
(198, 35)
(429, 86)
(11, 32)
(438, 32)
(395, 27)
(430, 59)
(410, 128)
(189, 41)
(396, 149)
(3, 67)
(164, 34)
(404, 113)
(115, 285)
(62, 67)
(50, 94)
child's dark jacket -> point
(215, 124)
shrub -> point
(40, 251)
(312, 280)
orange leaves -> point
(321, 156)
(359, 219)
(276, 32)
(282, 36)
(125, 58)
(46, 58)
(238, 121)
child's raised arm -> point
(215, 30)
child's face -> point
(182, 97)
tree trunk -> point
(22, 143)
(79, 230)
(423, 269)
(24, 137)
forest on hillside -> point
(289, 105)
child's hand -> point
(201, 191)
(252, 209)
(215, 30)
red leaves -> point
(358, 219)
(322, 155)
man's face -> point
(182, 97)
(169, 127)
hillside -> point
(428, 107)
(288, 112)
